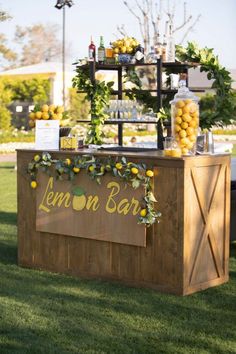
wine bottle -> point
(101, 51)
(170, 46)
(92, 51)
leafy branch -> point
(223, 106)
(98, 93)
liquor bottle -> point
(92, 51)
(170, 46)
(151, 57)
(164, 48)
(101, 52)
(139, 54)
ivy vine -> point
(221, 111)
(134, 174)
(98, 93)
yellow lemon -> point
(184, 142)
(177, 138)
(33, 184)
(180, 104)
(186, 117)
(45, 115)
(123, 49)
(60, 109)
(192, 138)
(118, 166)
(184, 125)
(52, 107)
(186, 108)
(134, 170)
(178, 112)
(31, 123)
(167, 152)
(176, 153)
(45, 108)
(76, 169)
(189, 131)
(189, 145)
(178, 120)
(59, 115)
(193, 123)
(102, 168)
(54, 116)
(67, 162)
(38, 115)
(184, 151)
(195, 116)
(182, 133)
(91, 168)
(177, 128)
(193, 107)
(188, 101)
(32, 115)
(143, 212)
(149, 173)
(36, 158)
(108, 168)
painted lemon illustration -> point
(79, 199)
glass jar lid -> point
(184, 93)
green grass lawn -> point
(48, 313)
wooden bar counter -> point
(185, 252)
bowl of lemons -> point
(125, 48)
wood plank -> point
(172, 246)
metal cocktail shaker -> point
(209, 143)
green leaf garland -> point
(133, 174)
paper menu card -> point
(47, 135)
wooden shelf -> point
(121, 121)
(119, 66)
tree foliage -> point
(36, 90)
(39, 43)
(5, 52)
(5, 99)
(153, 16)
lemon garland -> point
(132, 173)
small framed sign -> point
(47, 135)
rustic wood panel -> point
(186, 252)
(105, 212)
(205, 226)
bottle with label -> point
(92, 51)
(151, 57)
(139, 54)
(101, 52)
(170, 50)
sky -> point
(215, 29)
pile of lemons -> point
(45, 112)
(186, 123)
(125, 45)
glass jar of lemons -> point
(185, 119)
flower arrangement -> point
(133, 174)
